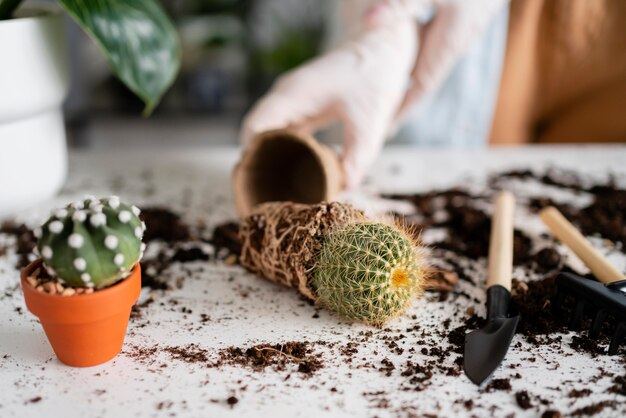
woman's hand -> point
(370, 83)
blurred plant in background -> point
(232, 51)
(136, 38)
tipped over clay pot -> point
(284, 165)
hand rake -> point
(601, 298)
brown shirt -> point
(564, 76)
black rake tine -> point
(577, 314)
(618, 336)
(596, 324)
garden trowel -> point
(485, 348)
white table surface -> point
(195, 182)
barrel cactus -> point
(332, 254)
(93, 243)
(367, 271)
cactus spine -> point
(92, 243)
(368, 272)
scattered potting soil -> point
(523, 399)
(619, 386)
(191, 353)
(593, 409)
(532, 301)
(163, 224)
(469, 228)
(276, 356)
(579, 393)
(25, 241)
(432, 352)
(186, 255)
(499, 384)
(551, 413)
(226, 236)
(604, 216)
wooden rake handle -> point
(501, 242)
(571, 237)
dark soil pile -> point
(191, 353)
(523, 400)
(226, 237)
(532, 301)
(163, 224)
(276, 356)
(438, 351)
(604, 216)
(468, 229)
(25, 241)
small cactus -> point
(368, 272)
(92, 243)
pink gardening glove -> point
(360, 84)
(456, 24)
(365, 83)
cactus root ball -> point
(368, 272)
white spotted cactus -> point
(368, 271)
(93, 243)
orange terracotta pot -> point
(84, 330)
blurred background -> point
(562, 78)
(232, 51)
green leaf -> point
(137, 38)
(7, 7)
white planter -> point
(34, 79)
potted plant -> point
(88, 278)
(139, 42)
(362, 269)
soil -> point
(468, 229)
(298, 356)
(471, 227)
(499, 384)
(191, 353)
(604, 216)
(438, 352)
(619, 386)
(551, 413)
(226, 237)
(523, 400)
(593, 409)
(25, 241)
(275, 356)
(163, 224)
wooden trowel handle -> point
(501, 242)
(570, 236)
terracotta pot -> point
(84, 330)
(285, 165)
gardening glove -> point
(364, 83)
(361, 84)
(444, 39)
